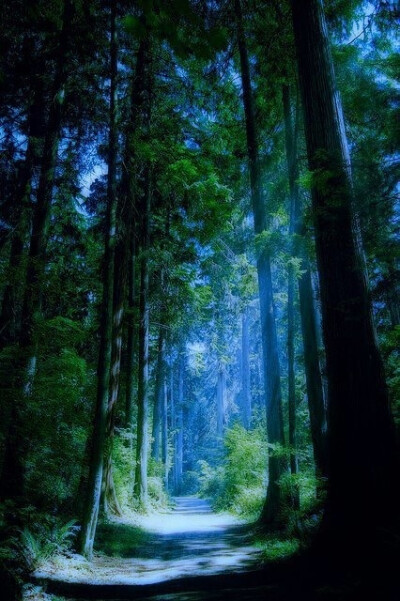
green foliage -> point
(120, 540)
(158, 497)
(275, 549)
(57, 418)
(34, 546)
(238, 484)
(123, 449)
(390, 347)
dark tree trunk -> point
(362, 498)
(272, 507)
(94, 486)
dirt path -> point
(186, 544)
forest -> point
(200, 280)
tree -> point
(361, 482)
(270, 514)
(95, 480)
(315, 396)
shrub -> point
(239, 484)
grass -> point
(120, 539)
(277, 549)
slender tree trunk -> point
(295, 497)
(272, 507)
(140, 486)
(131, 337)
(164, 440)
(13, 472)
(294, 201)
(158, 397)
(173, 424)
(179, 452)
(121, 268)
(130, 394)
(314, 384)
(221, 385)
(178, 457)
(362, 493)
(245, 369)
(94, 486)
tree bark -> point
(362, 498)
(272, 507)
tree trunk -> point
(158, 398)
(131, 337)
(173, 423)
(140, 486)
(178, 455)
(94, 486)
(245, 371)
(362, 499)
(295, 497)
(314, 384)
(221, 385)
(164, 438)
(272, 507)
(291, 144)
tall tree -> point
(315, 394)
(362, 499)
(140, 486)
(272, 507)
(95, 481)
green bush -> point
(191, 483)
(239, 484)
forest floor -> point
(162, 551)
(191, 554)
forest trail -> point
(188, 547)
